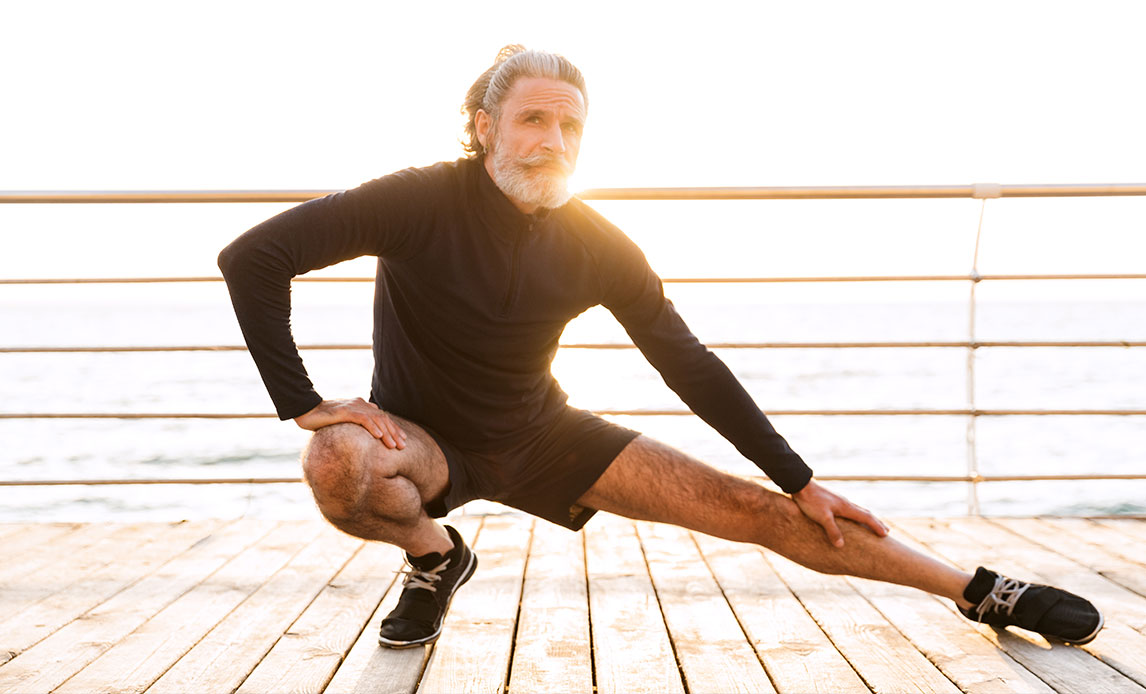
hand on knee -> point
(825, 508)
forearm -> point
(711, 391)
(716, 396)
(259, 285)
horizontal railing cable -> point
(638, 412)
(927, 344)
(828, 478)
(666, 280)
(973, 190)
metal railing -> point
(983, 191)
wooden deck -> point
(263, 606)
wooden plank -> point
(7, 529)
(306, 656)
(949, 641)
(881, 655)
(796, 653)
(49, 663)
(1122, 557)
(58, 601)
(32, 594)
(137, 661)
(1134, 527)
(33, 539)
(227, 655)
(712, 649)
(1110, 536)
(630, 639)
(59, 547)
(473, 653)
(367, 665)
(551, 653)
(1064, 668)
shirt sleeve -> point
(636, 297)
(380, 218)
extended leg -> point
(651, 481)
(379, 493)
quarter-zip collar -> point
(496, 210)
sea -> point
(612, 379)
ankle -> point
(435, 541)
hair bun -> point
(508, 52)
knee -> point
(779, 515)
(338, 464)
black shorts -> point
(544, 476)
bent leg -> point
(378, 493)
(652, 481)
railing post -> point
(981, 191)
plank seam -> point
(735, 615)
(358, 634)
(915, 645)
(431, 648)
(517, 614)
(212, 532)
(369, 619)
(1101, 656)
(10, 654)
(1002, 649)
(1085, 541)
(223, 566)
(589, 611)
(660, 607)
(764, 552)
(1112, 663)
(284, 567)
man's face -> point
(532, 149)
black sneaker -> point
(428, 587)
(1050, 611)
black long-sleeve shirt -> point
(472, 296)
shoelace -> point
(422, 578)
(1002, 597)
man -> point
(482, 262)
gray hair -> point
(512, 63)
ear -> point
(482, 122)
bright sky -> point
(149, 94)
(233, 94)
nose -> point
(554, 140)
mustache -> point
(543, 159)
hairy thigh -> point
(653, 481)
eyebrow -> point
(545, 112)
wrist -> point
(807, 489)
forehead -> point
(540, 93)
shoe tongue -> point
(980, 586)
(426, 561)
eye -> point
(574, 128)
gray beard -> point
(520, 180)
